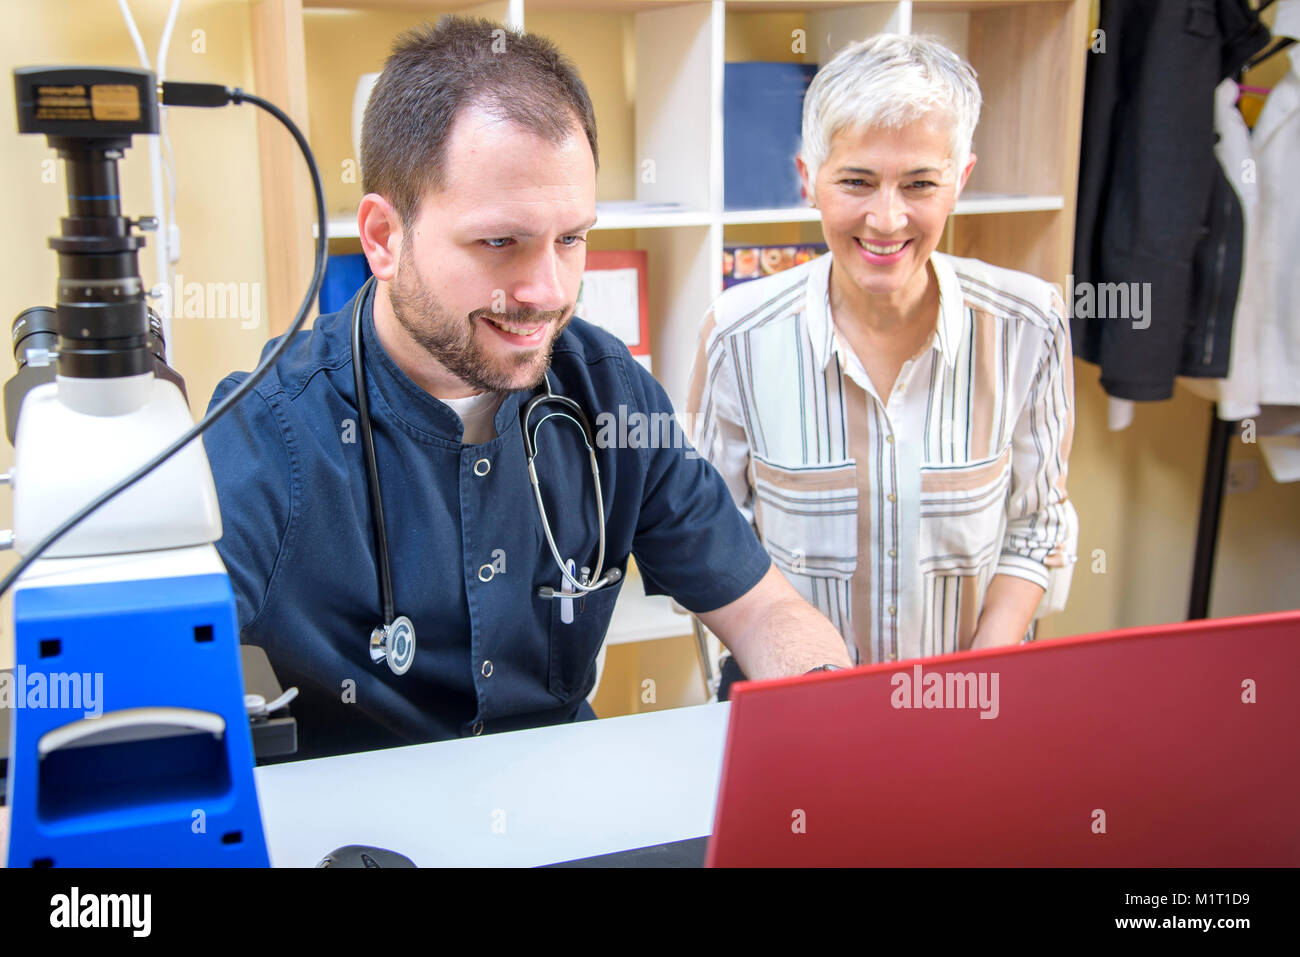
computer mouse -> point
(362, 855)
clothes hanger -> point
(1281, 44)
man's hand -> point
(774, 633)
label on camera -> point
(118, 102)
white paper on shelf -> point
(610, 298)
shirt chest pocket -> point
(963, 515)
(578, 627)
(807, 517)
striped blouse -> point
(893, 515)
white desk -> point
(516, 799)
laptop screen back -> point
(1176, 745)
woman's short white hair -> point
(887, 82)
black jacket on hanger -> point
(1154, 205)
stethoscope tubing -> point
(372, 466)
(531, 451)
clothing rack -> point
(1207, 527)
(1221, 432)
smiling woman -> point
(896, 422)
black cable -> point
(208, 94)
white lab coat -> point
(1275, 270)
(1264, 169)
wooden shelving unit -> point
(655, 71)
(663, 93)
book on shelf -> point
(741, 263)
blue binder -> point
(344, 275)
(762, 118)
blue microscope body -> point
(113, 799)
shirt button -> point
(893, 553)
(891, 656)
(892, 497)
(478, 727)
(889, 439)
(487, 669)
(482, 467)
(485, 573)
(893, 610)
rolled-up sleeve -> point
(1042, 533)
(713, 406)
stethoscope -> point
(394, 641)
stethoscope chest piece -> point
(394, 643)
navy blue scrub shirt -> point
(490, 654)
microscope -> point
(120, 587)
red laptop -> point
(1172, 746)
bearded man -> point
(437, 559)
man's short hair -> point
(434, 73)
(886, 82)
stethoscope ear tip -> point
(612, 576)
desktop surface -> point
(516, 799)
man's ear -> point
(380, 229)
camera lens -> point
(35, 328)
